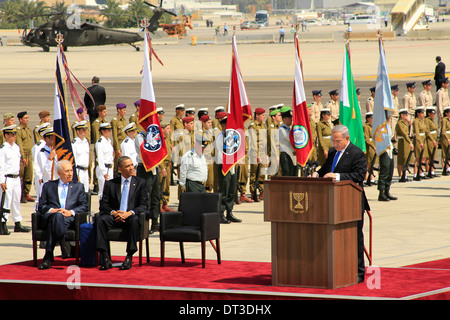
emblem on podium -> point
(298, 202)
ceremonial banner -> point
(349, 110)
(153, 150)
(300, 134)
(383, 106)
(238, 108)
(61, 127)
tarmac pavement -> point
(410, 230)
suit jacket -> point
(439, 73)
(99, 95)
(76, 197)
(352, 166)
(137, 196)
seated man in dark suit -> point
(123, 199)
(59, 202)
(346, 161)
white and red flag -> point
(300, 134)
(239, 111)
(153, 150)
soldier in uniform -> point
(370, 100)
(198, 124)
(370, 147)
(243, 173)
(8, 120)
(273, 151)
(288, 159)
(81, 152)
(127, 146)
(24, 140)
(184, 143)
(35, 151)
(420, 134)
(105, 157)
(44, 117)
(386, 172)
(82, 115)
(425, 97)
(215, 121)
(445, 138)
(176, 123)
(409, 100)
(47, 158)
(317, 105)
(432, 138)
(395, 115)
(208, 137)
(405, 145)
(442, 98)
(312, 125)
(135, 116)
(323, 128)
(10, 180)
(95, 135)
(333, 106)
(227, 183)
(257, 152)
(165, 170)
(117, 124)
(161, 113)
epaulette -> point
(126, 140)
(74, 140)
(2, 146)
(99, 140)
(114, 118)
(39, 143)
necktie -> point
(63, 196)
(124, 198)
(335, 160)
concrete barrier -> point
(255, 38)
(428, 35)
(304, 37)
(368, 36)
(205, 40)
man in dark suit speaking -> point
(59, 202)
(346, 161)
(123, 199)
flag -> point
(349, 110)
(153, 150)
(61, 127)
(238, 108)
(300, 135)
(383, 106)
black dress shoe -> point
(46, 264)
(224, 220)
(126, 265)
(390, 196)
(106, 264)
(232, 218)
(19, 228)
(382, 196)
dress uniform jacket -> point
(118, 135)
(409, 102)
(432, 128)
(257, 148)
(9, 174)
(81, 152)
(369, 104)
(334, 109)
(445, 135)
(442, 100)
(316, 107)
(135, 118)
(24, 139)
(128, 149)
(95, 129)
(323, 129)
(420, 135)
(175, 125)
(370, 144)
(425, 99)
(105, 162)
(402, 133)
(47, 167)
(313, 154)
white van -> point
(363, 19)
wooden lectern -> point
(314, 231)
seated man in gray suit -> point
(59, 202)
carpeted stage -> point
(232, 280)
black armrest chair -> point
(197, 220)
(38, 234)
(118, 234)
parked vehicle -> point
(249, 25)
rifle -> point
(431, 164)
(406, 168)
(372, 168)
(419, 165)
(445, 165)
(257, 185)
(236, 193)
(3, 211)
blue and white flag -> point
(61, 126)
(383, 106)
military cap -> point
(426, 82)
(20, 115)
(105, 125)
(394, 87)
(285, 109)
(10, 129)
(160, 110)
(222, 115)
(419, 109)
(447, 109)
(274, 112)
(180, 106)
(372, 89)
(40, 128)
(8, 115)
(188, 119)
(358, 91)
(445, 80)
(47, 132)
(190, 110)
(80, 110)
(431, 109)
(317, 92)
(219, 108)
(259, 111)
(335, 91)
(202, 112)
(129, 127)
(121, 106)
(369, 114)
(205, 118)
(404, 110)
(80, 125)
(411, 85)
(277, 106)
(325, 110)
(137, 103)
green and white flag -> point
(349, 111)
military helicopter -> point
(86, 33)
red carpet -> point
(230, 280)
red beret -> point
(205, 118)
(222, 115)
(188, 119)
(259, 111)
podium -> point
(314, 231)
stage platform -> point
(231, 280)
